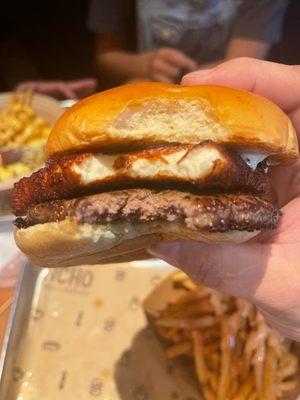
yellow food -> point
(22, 128)
(236, 355)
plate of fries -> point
(25, 123)
(234, 353)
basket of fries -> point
(25, 122)
(234, 353)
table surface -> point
(6, 299)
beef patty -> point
(213, 213)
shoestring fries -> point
(23, 134)
(236, 355)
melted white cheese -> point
(183, 164)
(253, 159)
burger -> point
(147, 163)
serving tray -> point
(81, 333)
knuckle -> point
(243, 61)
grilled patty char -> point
(217, 213)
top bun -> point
(144, 114)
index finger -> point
(66, 91)
(277, 82)
(82, 83)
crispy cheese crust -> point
(203, 168)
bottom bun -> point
(66, 243)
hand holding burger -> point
(266, 272)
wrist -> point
(141, 65)
(126, 65)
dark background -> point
(288, 50)
(49, 40)
(45, 39)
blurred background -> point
(53, 53)
(63, 40)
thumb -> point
(234, 269)
(271, 80)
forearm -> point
(121, 66)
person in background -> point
(61, 90)
(160, 40)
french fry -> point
(253, 396)
(236, 355)
(188, 284)
(288, 367)
(178, 276)
(235, 374)
(166, 333)
(186, 323)
(197, 308)
(213, 381)
(201, 368)
(246, 389)
(249, 348)
(233, 388)
(180, 310)
(259, 357)
(208, 393)
(19, 122)
(269, 376)
(211, 348)
(258, 374)
(288, 370)
(213, 361)
(288, 386)
(179, 349)
(216, 302)
(191, 297)
(22, 128)
(224, 379)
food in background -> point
(236, 354)
(23, 134)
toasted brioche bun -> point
(65, 243)
(144, 114)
